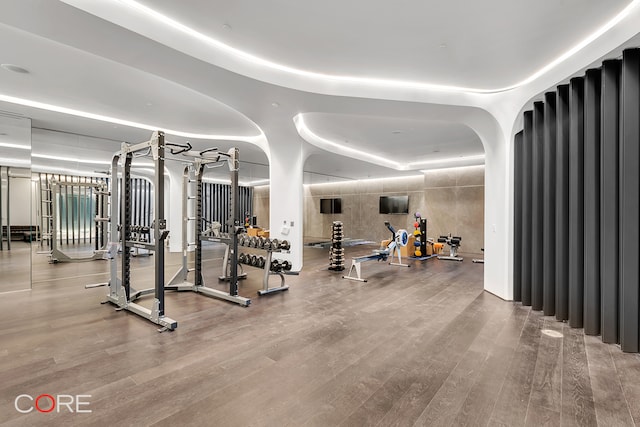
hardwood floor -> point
(422, 346)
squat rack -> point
(121, 293)
(230, 264)
(99, 189)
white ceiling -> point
(409, 139)
(485, 44)
(80, 61)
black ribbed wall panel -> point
(609, 212)
(537, 205)
(549, 208)
(576, 202)
(592, 246)
(527, 244)
(217, 203)
(630, 201)
(517, 217)
(562, 203)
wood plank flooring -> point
(419, 346)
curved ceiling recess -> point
(479, 51)
(70, 81)
(361, 137)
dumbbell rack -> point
(259, 244)
(336, 253)
(140, 234)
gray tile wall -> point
(452, 200)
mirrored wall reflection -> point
(16, 214)
(70, 173)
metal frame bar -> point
(8, 169)
(1, 204)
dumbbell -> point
(275, 244)
(267, 244)
(242, 258)
(261, 241)
(261, 261)
(241, 240)
(275, 265)
(285, 245)
(286, 265)
(254, 260)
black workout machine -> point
(454, 244)
(398, 239)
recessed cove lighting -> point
(15, 68)
(258, 139)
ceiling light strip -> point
(337, 148)
(16, 146)
(70, 159)
(217, 44)
(415, 165)
(64, 110)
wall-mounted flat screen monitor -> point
(330, 206)
(394, 204)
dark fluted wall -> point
(537, 203)
(592, 246)
(517, 218)
(562, 203)
(630, 201)
(577, 203)
(527, 244)
(549, 206)
(610, 212)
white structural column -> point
(498, 228)
(286, 204)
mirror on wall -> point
(16, 213)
